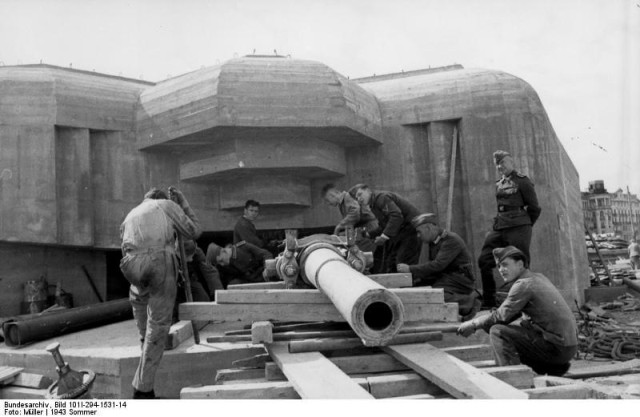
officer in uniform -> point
(518, 210)
(241, 263)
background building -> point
(616, 213)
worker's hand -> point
(467, 328)
(176, 196)
(404, 268)
(380, 240)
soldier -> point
(394, 214)
(241, 263)
(546, 336)
(149, 263)
(244, 229)
(518, 211)
(352, 213)
(449, 265)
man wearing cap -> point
(241, 263)
(394, 214)
(449, 265)
(546, 336)
(149, 263)
(245, 230)
(518, 211)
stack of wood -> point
(270, 301)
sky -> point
(581, 56)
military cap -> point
(424, 218)
(501, 253)
(498, 156)
(212, 253)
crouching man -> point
(546, 338)
(449, 265)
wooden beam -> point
(225, 375)
(261, 332)
(451, 374)
(261, 390)
(179, 332)
(618, 368)
(561, 392)
(396, 280)
(314, 296)
(256, 361)
(8, 373)
(315, 376)
(219, 313)
(382, 362)
(28, 380)
(275, 285)
(314, 345)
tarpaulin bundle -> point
(29, 328)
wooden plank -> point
(313, 296)
(561, 392)
(225, 375)
(261, 390)
(219, 313)
(315, 376)
(22, 393)
(519, 376)
(275, 285)
(256, 361)
(470, 353)
(261, 332)
(451, 374)
(29, 380)
(313, 345)
(382, 362)
(396, 280)
(181, 331)
(618, 368)
(8, 372)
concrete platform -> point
(113, 352)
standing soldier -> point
(150, 265)
(518, 210)
(394, 214)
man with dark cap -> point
(546, 336)
(241, 263)
(394, 214)
(245, 230)
(149, 263)
(518, 211)
(449, 265)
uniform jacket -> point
(151, 225)
(449, 266)
(393, 212)
(541, 306)
(355, 215)
(246, 263)
(517, 202)
(246, 230)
